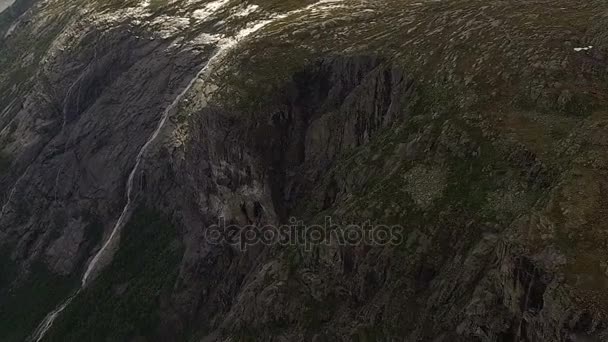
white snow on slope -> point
(209, 9)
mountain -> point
(192, 170)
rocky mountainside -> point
(129, 129)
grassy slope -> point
(515, 82)
(478, 50)
(505, 59)
(25, 305)
(123, 302)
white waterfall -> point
(225, 46)
(50, 318)
(104, 254)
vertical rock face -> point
(72, 159)
(474, 131)
(255, 169)
(4, 4)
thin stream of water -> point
(106, 251)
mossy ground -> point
(24, 305)
(5, 163)
(510, 66)
(123, 303)
(491, 59)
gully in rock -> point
(104, 255)
(77, 82)
(69, 92)
(50, 318)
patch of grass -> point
(5, 163)
(282, 5)
(369, 334)
(265, 67)
(158, 4)
(123, 303)
(8, 272)
(12, 13)
(23, 307)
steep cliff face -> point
(477, 128)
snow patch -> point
(169, 26)
(245, 11)
(209, 9)
(206, 39)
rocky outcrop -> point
(67, 135)
(488, 166)
(252, 168)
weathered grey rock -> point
(475, 126)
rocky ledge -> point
(129, 129)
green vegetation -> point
(369, 334)
(476, 169)
(282, 5)
(479, 53)
(123, 302)
(158, 4)
(25, 305)
(259, 81)
(5, 163)
(9, 15)
(8, 272)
